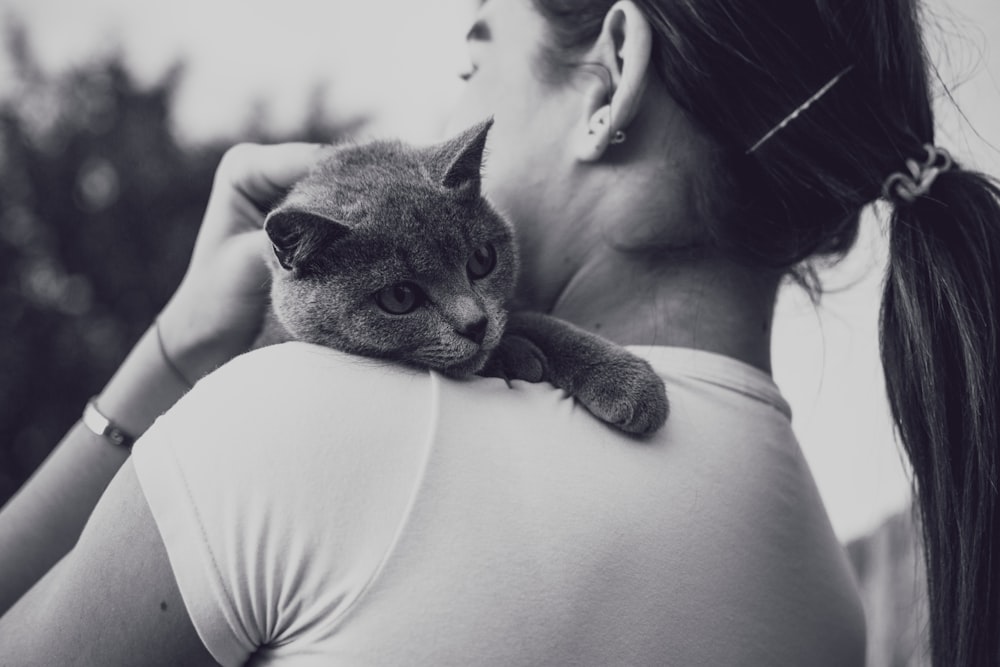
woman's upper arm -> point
(112, 600)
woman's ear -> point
(622, 52)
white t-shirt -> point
(324, 509)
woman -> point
(666, 164)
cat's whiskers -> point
(449, 355)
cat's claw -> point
(626, 393)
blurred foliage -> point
(99, 207)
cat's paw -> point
(627, 394)
(515, 358)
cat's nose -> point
(474, 331)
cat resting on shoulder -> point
(390, 251)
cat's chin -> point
(467, 367)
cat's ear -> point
(296, 236)
(462, 159)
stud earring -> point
(618, 138)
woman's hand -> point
(217, 310)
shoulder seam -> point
(230, 600)
(404, 519)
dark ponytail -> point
(941, 354)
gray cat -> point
(390, 251)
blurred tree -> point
(99, 207)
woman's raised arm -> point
(214, 315)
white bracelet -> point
(103, 427)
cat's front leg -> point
(515, 358)
(615, 385)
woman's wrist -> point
(199, 333)
(143, 388)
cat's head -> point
(391, 251)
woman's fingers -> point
(249, 181)
(265, 172)
(251, 178)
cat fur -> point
(373, 215)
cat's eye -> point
(482, 261)
(401, 298)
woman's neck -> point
(715, 305)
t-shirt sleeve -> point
(272, 491)
(219, 619)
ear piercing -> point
(599, 122)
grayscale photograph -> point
(500, 333)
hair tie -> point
(906, 188)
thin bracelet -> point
(166, 357)
(103, 427)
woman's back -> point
(350, 510)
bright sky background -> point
(397, 60)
